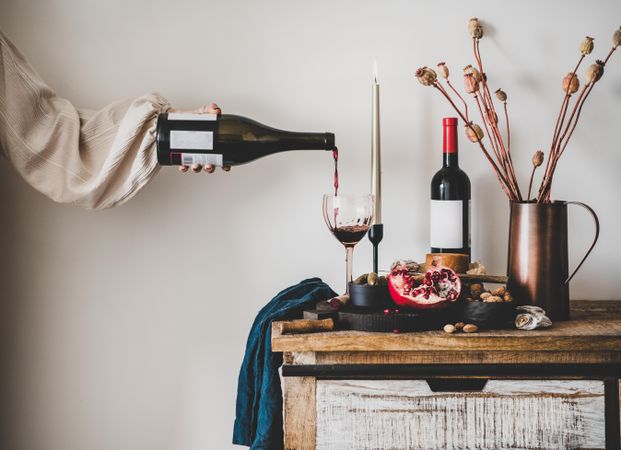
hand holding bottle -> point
(212, 108)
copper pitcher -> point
(538, 257)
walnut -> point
(476, 289)
(499, 292)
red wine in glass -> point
(349, 218)
(350, 235)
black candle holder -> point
(376, 233)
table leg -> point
(300, 413)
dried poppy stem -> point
(592, 84)
(460, 97)
(508, 132)
(612, 50)
(559, 151)
(544, 191)
(488, 104)
(509, 145)
(537, 160)
(579, 101)
(573, 127)
(530, 183)
(494, 148)
(502, 154)
(560, 121)
(562, 113)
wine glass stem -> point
(349, 256)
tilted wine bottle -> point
(226, 140)
(450, 199)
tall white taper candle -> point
(376, 163)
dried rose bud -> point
(594, 72)
(587, 46)
(426, 76)
(474, 28)
(475, 73)
(616, 38)
(501, 95)
(538, 158)
(474, 132)
(443, 70)
(470, 83)
(571, 83)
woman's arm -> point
(91, 159)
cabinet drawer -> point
(505, 414)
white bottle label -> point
(191, 140)
(447, 223)
(187, 159)
(192, 116)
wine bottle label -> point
(447, 223)
(192, 116)
(187, 159)
(191, 140)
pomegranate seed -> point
(387, 311)
(335, 303)
(396, 330)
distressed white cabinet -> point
(505, 414)
(508, 389)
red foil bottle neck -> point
(449, 125)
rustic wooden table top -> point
(595, 328)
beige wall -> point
(124, 329)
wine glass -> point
(348, 216)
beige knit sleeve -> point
(93, 159)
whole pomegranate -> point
(437, 288)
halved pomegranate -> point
(437, 288)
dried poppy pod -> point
(426, 76)
(571, 83)
(474, 28)
(470, 84)
(616, 38)
(594, 72)
(587, 46)
(491, 117)
(538, 158)
(501, 95)
(474, 72)
(474, 132)
(443, 70)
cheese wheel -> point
(456, 261)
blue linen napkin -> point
(258, 418)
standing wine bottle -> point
(226, 140)
(450, 199)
